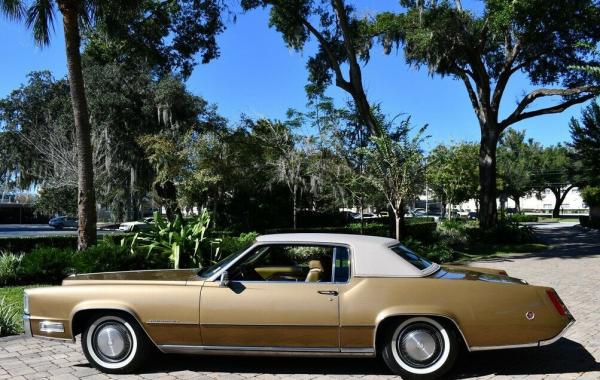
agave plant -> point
(9, 321)
(180, 239)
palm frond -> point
(40, 18)
(12, 9)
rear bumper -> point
(560, 335)
(27, 326)
(526, 345)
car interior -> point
(290, 263)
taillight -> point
(502, 273)
(557, 302)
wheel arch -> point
(384, 322)
(81, 316)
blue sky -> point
(259, 76)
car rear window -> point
(408, 255)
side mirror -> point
(224, 280)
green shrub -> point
(373, 229)
(28, 244)
(424, 231)
(586, 221)
(591, 195)
(232, 244)
(180, 240)
(10, 322)
(506, 233)
(455, 232)
(439, 252)
(46, 265)
(418, 219)
(9, 265)
(522, 218)
(109, 257)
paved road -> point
(572, 266)
(28, 230)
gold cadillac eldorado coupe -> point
(301, 294)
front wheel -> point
(114, 344)
(420, 348)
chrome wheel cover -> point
(420, 345)
(112, 342)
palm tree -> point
(39, 15)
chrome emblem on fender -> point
(530, 315)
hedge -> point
(586, 221)
(422, 230)
(27, 244)
(522, 218)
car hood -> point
(457, 272)
(142, 276)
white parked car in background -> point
(136, 225)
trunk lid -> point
(456, 272)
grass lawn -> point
(556, 220)
(485, 251)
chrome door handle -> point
(328, 292)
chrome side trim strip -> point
(157, 322)
(510, 346)
(249, 350)
(215, 324)
(27, 326)
(560, 335)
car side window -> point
(285, 263)
(342, 265)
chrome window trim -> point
(217, 276)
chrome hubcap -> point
(112, 342)
(420, 345)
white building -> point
(573, 203)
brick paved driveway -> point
(572, 266)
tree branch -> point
(472, 95)
(339, 77)
(507, 71)
(519, 113)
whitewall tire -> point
(114, 343)
(420, 348)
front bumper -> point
(27, 326)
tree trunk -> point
(517, 203)
(362, 220)
(398, 222)
(85, 173)
(295, 190)
(488, 212)
(560, 198)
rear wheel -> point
(115, 344)
(420, 348)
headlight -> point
(26, 303)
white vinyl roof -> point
(370, 255)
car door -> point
(280, 296)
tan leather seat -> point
(315, 271)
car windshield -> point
(211, 270)
(408, 255)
